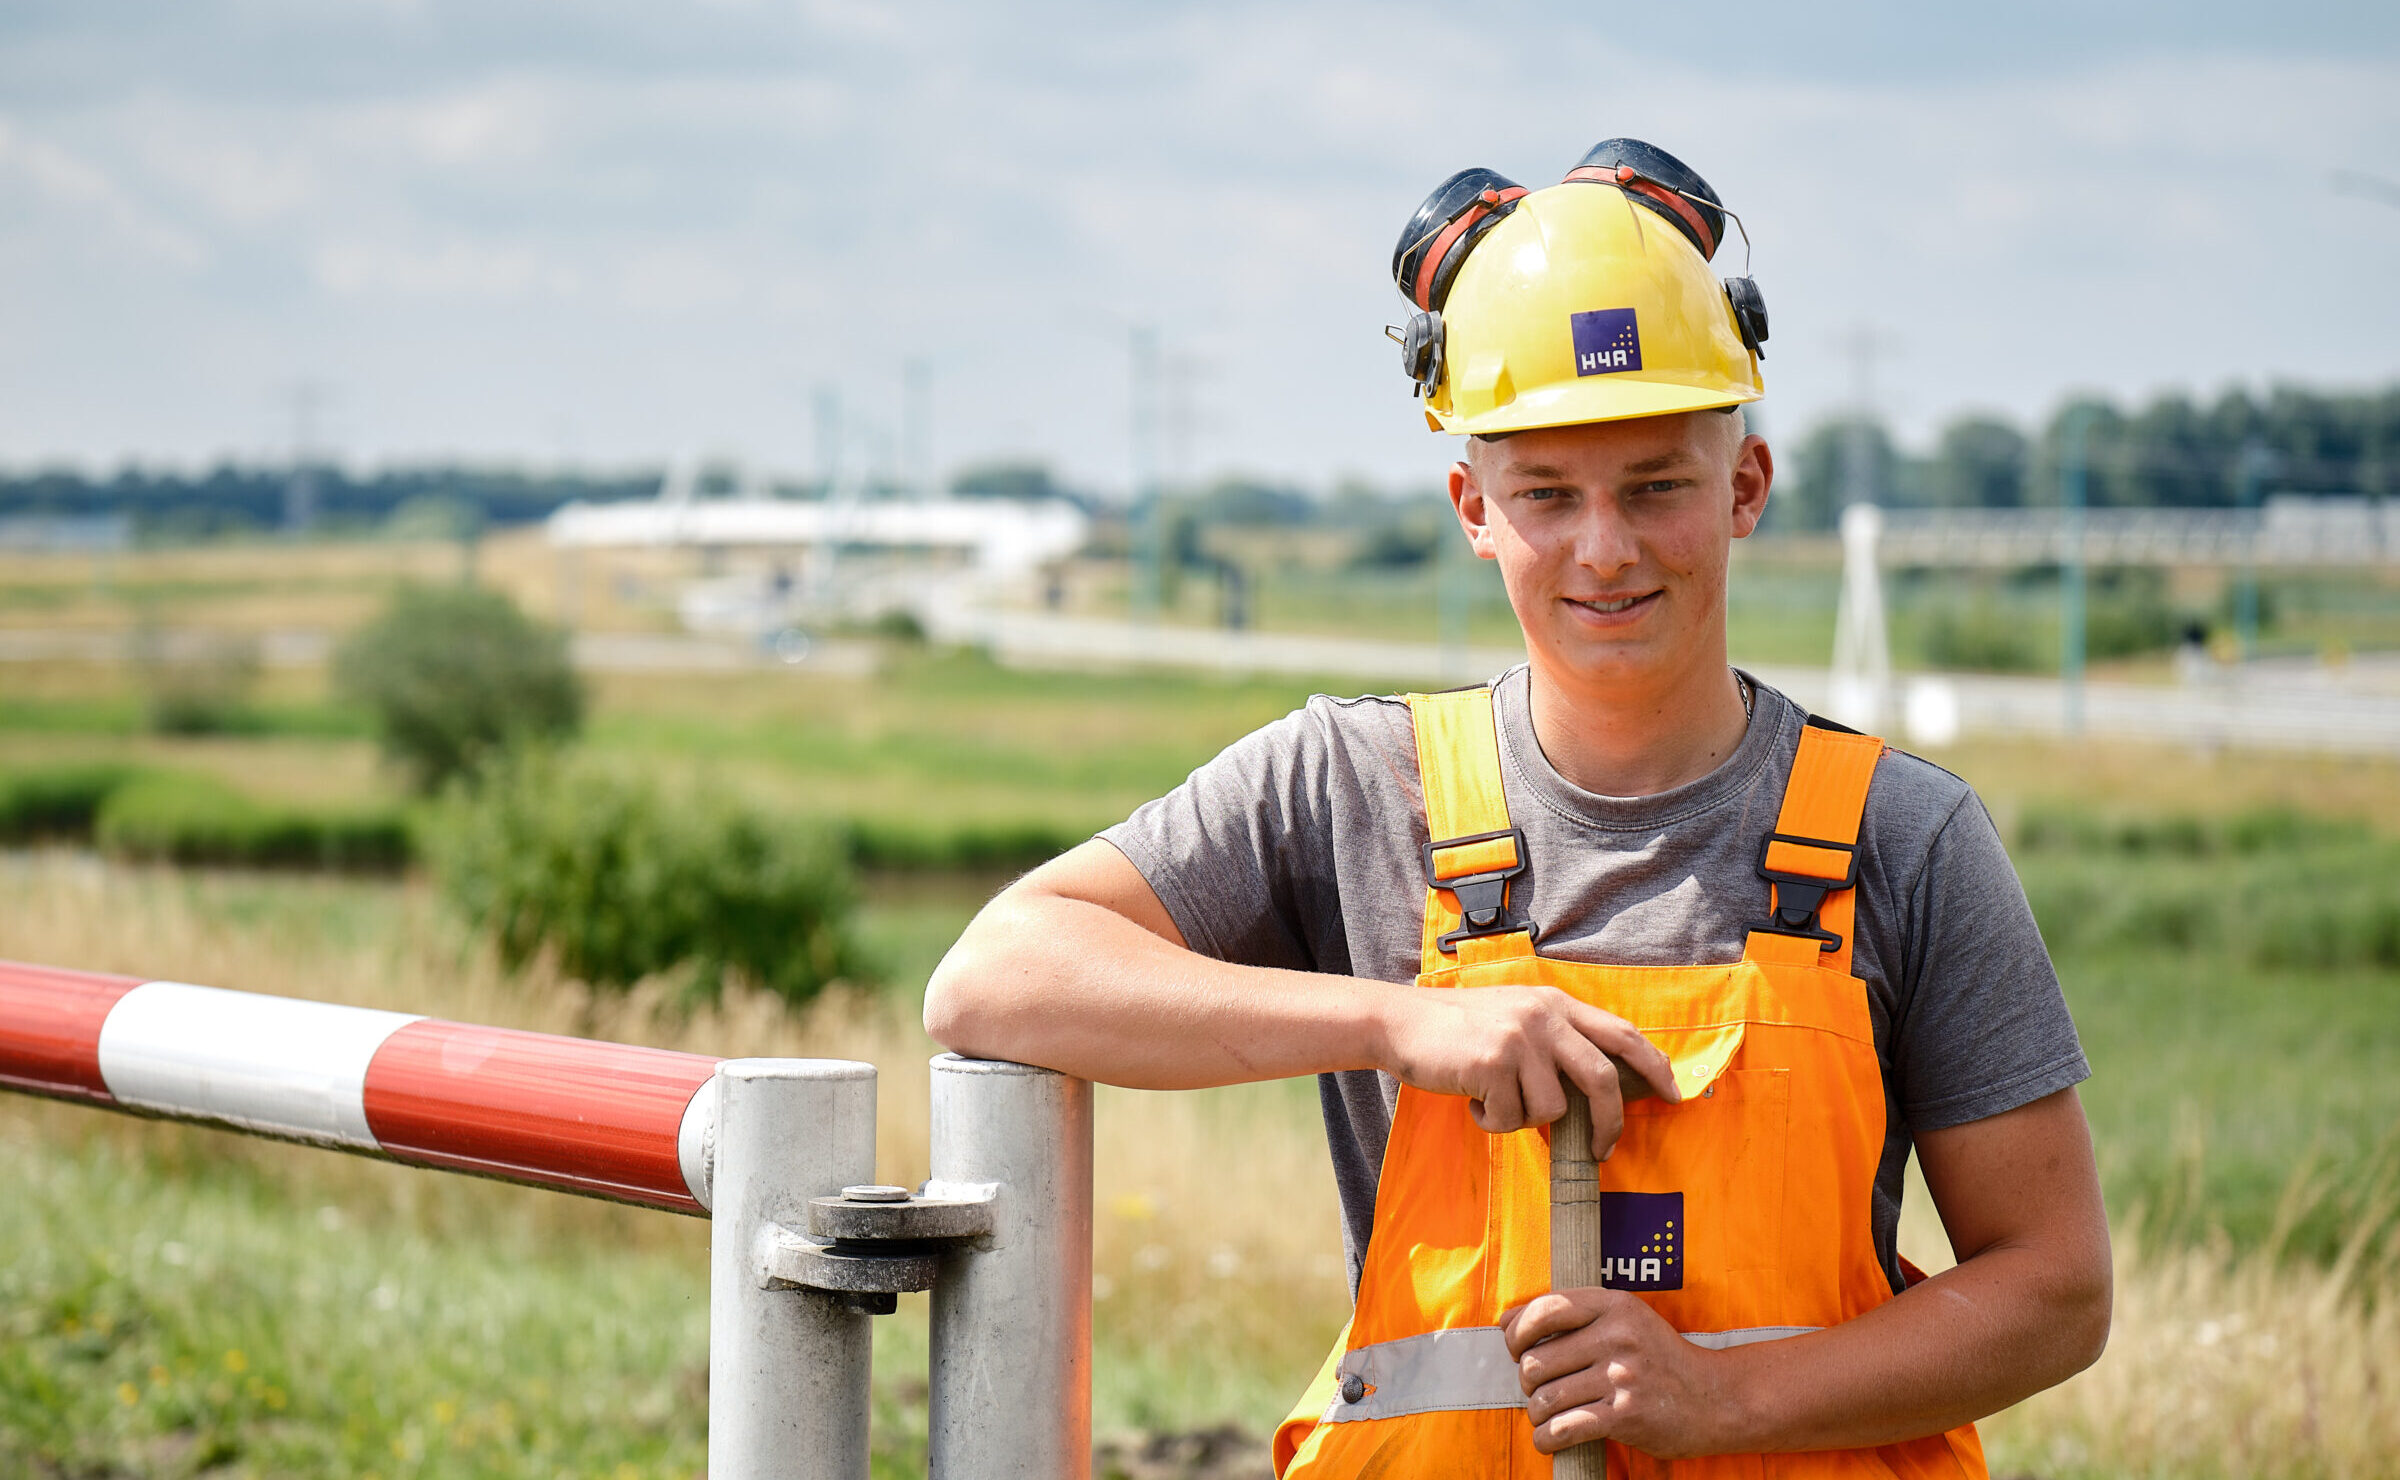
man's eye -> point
(1544, 493)
(1661, 485)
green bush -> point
(172, 818)
(456, 675)
(2270, 888)
(1984, 636)
(991, 847)
(203, 689)
(2013, 627)
(2128, 624)
(57, 801)
(899, 625)
(619, 880)
(2258, 830)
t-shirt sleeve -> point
(1985, 1027)
(1240, 853)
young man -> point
(1773, 954)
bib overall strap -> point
(1810, 860)
(1471, 852)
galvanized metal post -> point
(787, 1369)
(2245, 587)
(1012, 1314)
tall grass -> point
(2225, 1366)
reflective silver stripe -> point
(1717, 1341)
(1441, 1370)
(1445, 1371)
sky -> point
(612, 233)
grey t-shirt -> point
(1299, 847)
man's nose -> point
(1604, 541)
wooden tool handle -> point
(1575, 1244)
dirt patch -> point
(1222, 1453)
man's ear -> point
(1753, 476)
(1474, 514)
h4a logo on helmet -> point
(1607, 341)
(1642, 1240)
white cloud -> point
(451, 270)
(90, 197)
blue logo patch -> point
(1642, 1235)
(1607, 342)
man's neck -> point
(1636, 739)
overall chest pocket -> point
(1699, 1187)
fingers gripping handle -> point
(1575, 1242)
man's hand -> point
(1600, 1364)
(1507, 1048)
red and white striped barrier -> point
(758, 1146)
(608, 1119)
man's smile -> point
(1612, 609)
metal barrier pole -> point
(787, 1369)
(1012, 1313)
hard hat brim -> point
(1615, 398)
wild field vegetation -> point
(175, 1300)
(176, 1296)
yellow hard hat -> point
(1591, 300)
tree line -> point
(235, 499)
(2172, 451)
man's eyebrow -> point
(1674, 458)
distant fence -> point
(780, 1152)
(2287, 532)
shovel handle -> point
(1575, 1244)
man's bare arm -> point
(1078, 967)
(2027, 1307)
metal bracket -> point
(870, 1244)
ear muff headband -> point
(1429, 268)
(1444, 229)
(1632, 182)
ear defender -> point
(1445, 228)
(1421, 350)
(1749, 312)
(1432, 247)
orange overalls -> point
(1741, 1214)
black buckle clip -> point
(1798, 897)
(1483, 897)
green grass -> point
(155, 1324)
(129, 714)
(2237, 985)
(943, 744)
(2213, 1089)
